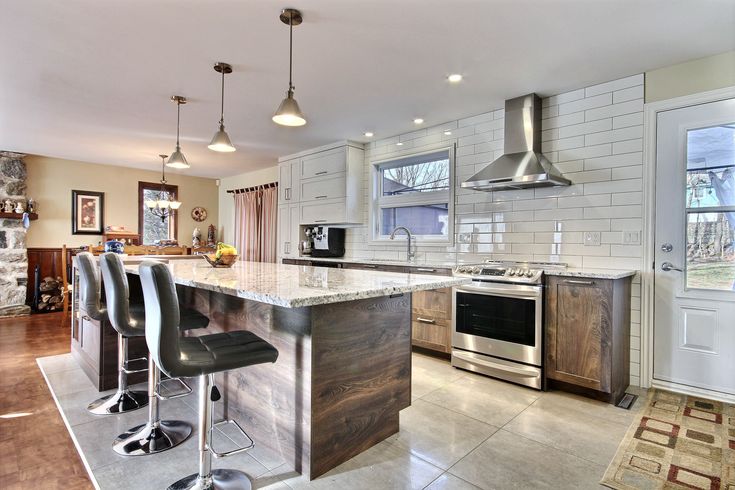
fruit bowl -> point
(223, 261)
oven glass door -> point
(502, 318)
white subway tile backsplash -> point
(627, 94)
(586, 103)
(614, 85)
(593, 136)
(614, 110)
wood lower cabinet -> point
(588, 335)
(431, 319)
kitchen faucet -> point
(410, 255)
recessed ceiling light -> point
(447, 133)
(368, 134)
(399, 144)
(418, 120)
(455, 78)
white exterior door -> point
(694, 280)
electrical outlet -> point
(631, 237)
(592, 238)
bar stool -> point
(198, 356)
(124, 399)
(155, 435)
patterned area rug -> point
(677, 442)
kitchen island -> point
(344, 341)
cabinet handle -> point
(421, 269)
(367, 266)
(320, 197)
(425, 320)
(321, 173)
(575, 281)
(288, 194)
(320, 221)
(285, 247)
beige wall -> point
(51, 180)
(691, 77)
(226, 202)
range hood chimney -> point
(522, 165)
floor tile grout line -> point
(470, 452)
(550, 446)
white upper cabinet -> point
(327, 183)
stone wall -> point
(13, 257)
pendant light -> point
(178, 160)
(221, 141)
(288, 113)
(165, 205)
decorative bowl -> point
(223, 261)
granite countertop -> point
(378, 262)
(569, 272)
(294, 286)
(591, 273)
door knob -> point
(667, 247)
(668, 266)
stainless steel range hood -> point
(522, 165)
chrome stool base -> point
(119, 402)
(219, 480)
(150, 439)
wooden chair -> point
(66, 289)
(171, 251)
(96, 249)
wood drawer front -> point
(323, 212)
(326, 188)
(434, 336)
(435, 304)
(578, 332)
(324, 163)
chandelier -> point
(165, 205)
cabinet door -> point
(284, 182)
(284, 230)
(578, 332)
(327, 188)
(323, 212)
(288, 181)
(324, 163)
(293, 245)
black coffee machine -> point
(327, 241)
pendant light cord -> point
(290, 52)
(222, 107)
(178, 123)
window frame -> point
(378, 201)
(173, 190)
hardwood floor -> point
(37, 451)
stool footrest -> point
(239, 450)
(127, 369)
(185, 388)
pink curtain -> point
(255, 224)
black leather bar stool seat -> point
(198, 356)
(124, 399)
(155, 435)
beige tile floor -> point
(463, 431)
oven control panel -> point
(496, 273)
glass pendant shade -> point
(289, 113)
(151, 204)
(221, 141)
(177, 160)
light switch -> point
(592, 238)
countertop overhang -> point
(295, 286)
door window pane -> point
(429, 219)
(710, 203)
(153, 227)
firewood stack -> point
(51, 297)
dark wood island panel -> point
(342, 375)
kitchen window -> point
(150, 226)
(414, 191)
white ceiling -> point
(90, 80)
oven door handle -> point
(534, 293)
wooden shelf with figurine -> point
(31, 216)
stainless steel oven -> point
(498, 322)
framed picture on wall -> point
(87, 212)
